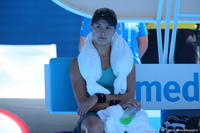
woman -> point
(103, 28)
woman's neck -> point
(104, 53)
(103, 50)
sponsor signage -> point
(168, 86)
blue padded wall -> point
(39, 22)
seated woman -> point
(103, 29)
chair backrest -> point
(59, 96)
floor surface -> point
(39, 120)
(33, 113)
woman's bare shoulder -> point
(74, 64)
(74, 61)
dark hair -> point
(106, 14)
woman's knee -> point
(92, 124)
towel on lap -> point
(111, 119)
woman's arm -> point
(79, 88)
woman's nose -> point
(103, 30)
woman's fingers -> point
(130, 103)
(133, 103)
(83, 109)
(86, 105)
(136, 104)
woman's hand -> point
(130, 103)
(86, 105)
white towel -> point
(111, 119)
(140, 123)
(90, 65)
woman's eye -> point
(98, 27)
(108, 28)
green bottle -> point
(128, 115)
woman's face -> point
(102, 32)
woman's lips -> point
(102, 38)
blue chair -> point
(59, 96)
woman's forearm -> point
(110, 97)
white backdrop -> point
(22, 70)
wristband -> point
(101, 97)
(114, 102)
